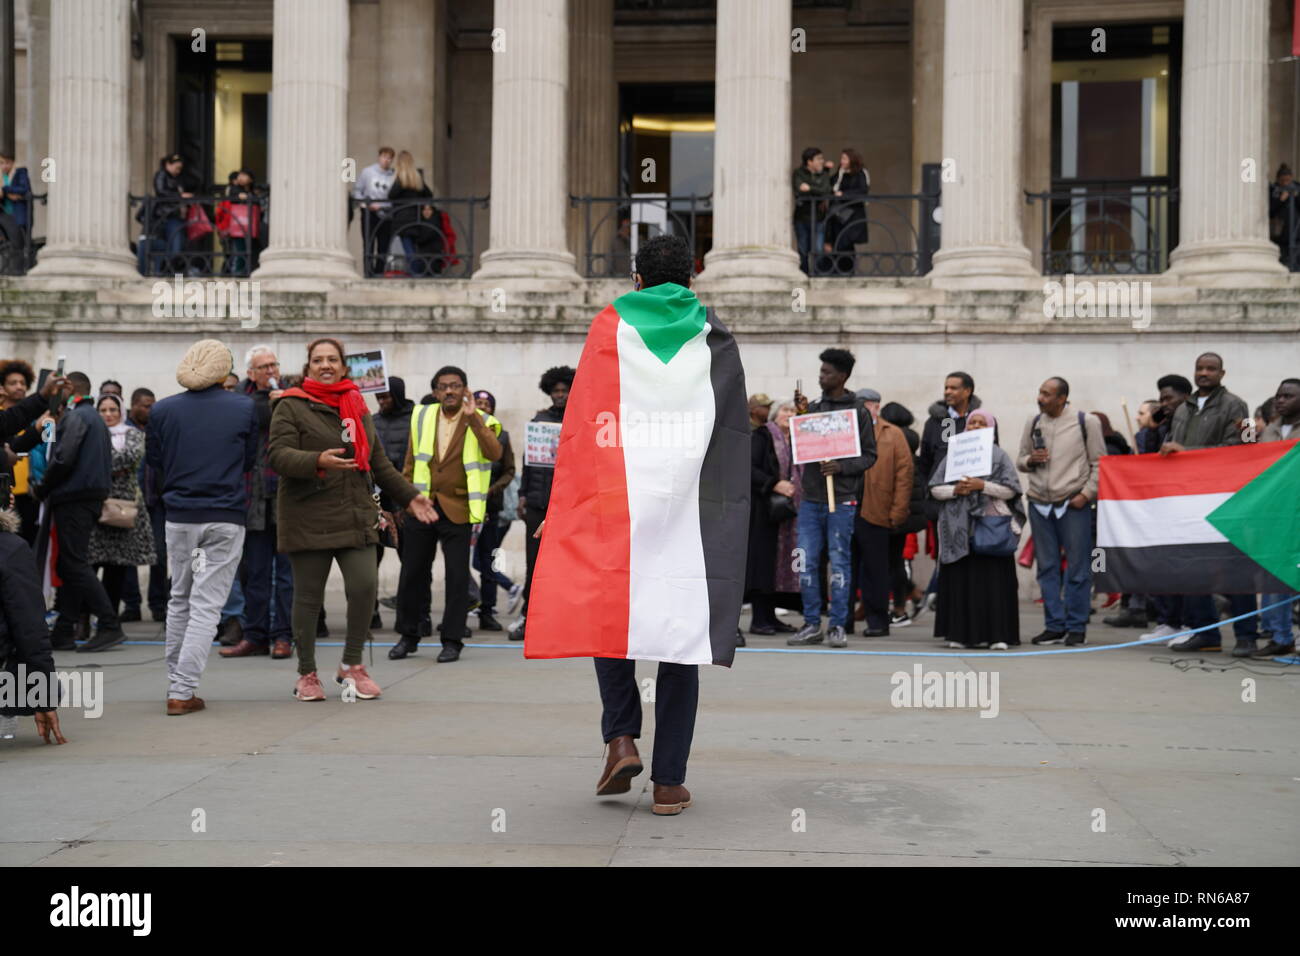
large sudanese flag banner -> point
(1206, 521)
(643, 552)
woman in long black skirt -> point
(977, 602)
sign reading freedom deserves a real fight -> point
(822, 436)
(541, 439)
(970, 455)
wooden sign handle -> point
(830, 493)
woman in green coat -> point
(323, 446)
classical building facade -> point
(1008, 142)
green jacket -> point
(819, 184)
(1213, 426)
(332, 509)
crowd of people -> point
(397, 207)
(853, 563)
(240, 494)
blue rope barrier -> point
(518, 645)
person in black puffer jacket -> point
(24, 639)
(535, 485)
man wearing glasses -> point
(267, 575)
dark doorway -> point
(223, 107)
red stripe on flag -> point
(1295, 28)
(578, 605)
(1201, 471)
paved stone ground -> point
(1184, 770)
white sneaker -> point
(900, 620)
(955, 644)
(1164, 630)
(1182, 638)
(998, 646)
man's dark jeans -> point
(81, 588)
(268, 577)
(418, 553)
(1199, 611)
(489, 539)
(677, 695)
(159, 586)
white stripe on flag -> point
(1149, 522)
(666, 414)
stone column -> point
(1223, 212)
(38, 96)
(752, 158)
(982, 243)
(593, 128)
(89, 56)
(406, 110)
(309, 110)
(530, 87)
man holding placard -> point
(541, 438)
(833, 439)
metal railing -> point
(419, 238)
(203, 235)
(17, 247)
(865, 235)
(613, 227)
(1284, 226)
(1106, 226)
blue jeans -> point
(810, 246)
(235, 602)
(489, 539)
(268, 583)
(1167, 608)
(1278, 620)
(1199, 611)
(819, 530)
(1065, 601)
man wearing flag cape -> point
(643, 547)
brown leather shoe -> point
(670, 801)
(280, 650)
(179, 708)
(621, 765)
(245, 648)
(230, 632)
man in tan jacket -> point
(446, 439)
(886, 492)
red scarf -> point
(346, 398)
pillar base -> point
(82, 262)
(310, 264)
(750, 269)
(1238, 263)
(983, 267)
(526, 264)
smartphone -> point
(1038, 438)
(40, 382)
(349, 450)
(63, 361)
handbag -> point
(780, 508)
(197, 223)
(118, 513)
(993, 536)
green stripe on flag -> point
(666, 316)
(1263, 519)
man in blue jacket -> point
(203, 442)
(77, 479)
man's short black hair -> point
(107, 382)
(897, 414)
(17, 367)
(1289, 381)
(1176, 382)
(1062, 386)
(1214, 354)
(966, 380)
(140, 393)
(1266, 411)
(80, 382)
(554, 376)
(664, 259)
(809, 153)
(447, 370)
(841, 360)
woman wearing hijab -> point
(770, 578)
(977, 602)
(111, 548)
(323, 445)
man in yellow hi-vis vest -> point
(449, 458)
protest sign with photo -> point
(821, 436)
(368, 370)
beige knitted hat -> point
(207, 363)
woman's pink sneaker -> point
(366, 688)
(309, 687)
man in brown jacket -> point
(447, 440)
(886, 492)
